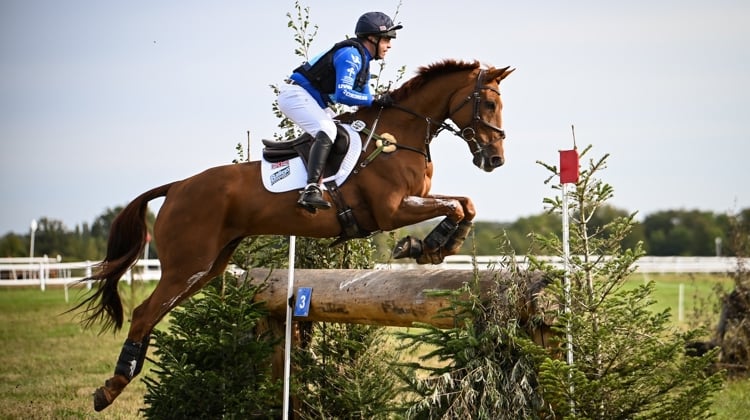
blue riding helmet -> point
(376, 23)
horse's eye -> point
(490, 105)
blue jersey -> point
(347, 63)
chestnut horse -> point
(204, 217)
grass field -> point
(50, 366)
(699, 294)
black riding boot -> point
(312, 197)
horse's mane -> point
(430, 72)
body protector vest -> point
(322, 75)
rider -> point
(340, 75)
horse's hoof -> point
(100, 399)
(407, 247)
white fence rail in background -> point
(43, 271)
(646, 265)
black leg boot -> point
(312, 197)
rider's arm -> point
(347, 63)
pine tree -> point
(347, 372)
(629, 362)
(209, 363)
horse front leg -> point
(446, 238)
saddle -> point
(279, 151)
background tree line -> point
(664, 233)
(53, 238)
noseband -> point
(468, 133)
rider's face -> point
(381, 45)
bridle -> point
(468, 133)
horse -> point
(204, 217)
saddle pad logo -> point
(282, 172)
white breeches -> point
(303, 109)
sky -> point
(103, 100)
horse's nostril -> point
(497, 161)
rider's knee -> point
(328, 127)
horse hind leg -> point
(167, 295)
(145, 317)
(129, 365)
(134, 350)
(163, 299)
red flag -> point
(568, 166)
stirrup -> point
(312, 198)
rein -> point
(467, 134)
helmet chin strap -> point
(376, 55)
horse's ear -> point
(500, 74)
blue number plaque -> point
(302, 306)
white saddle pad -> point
(291, 174)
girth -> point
(350, 229)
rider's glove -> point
(384, 100)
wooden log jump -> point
(388, 298)
(379, 297)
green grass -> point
(733, 402)
(699, 294)
(50, 366)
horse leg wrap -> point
(458, 238)
(440, 235)
(127, 364)
(142, 357)
(407, 247)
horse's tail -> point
(127, 237)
